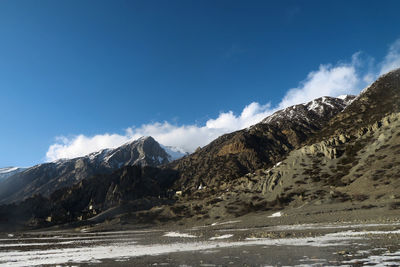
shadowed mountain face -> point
(131, 187)
(46, 178)
(260, 146)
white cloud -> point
(81, 145)
(328, 80)
(187, 137)
(392, 59)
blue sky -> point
(76, 76)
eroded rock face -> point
(260, 146)
(377, 101)
(316, 172)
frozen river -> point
(214, 245)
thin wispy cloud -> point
(392, 59)
(327, 80)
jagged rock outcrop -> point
(46, 178)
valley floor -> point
(296, 237)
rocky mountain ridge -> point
(260, 146)
(378, 100)
(92, 197)
(46, 178)
(330, 154)
(353, 165)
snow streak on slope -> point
(9, 171)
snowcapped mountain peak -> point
(313, 110)
(144, 151)
(144, 138)
(172, 151)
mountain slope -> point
(46, 178)
(9, 171)
(353, 163)
(375, 102)
(131, 188)
(329, 155)
(233, 155)
(214, 166)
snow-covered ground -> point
(338, 247)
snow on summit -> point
(315, 108)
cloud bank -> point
(186, 137)
(327, 80)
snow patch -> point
(175, 234)
(96, 252)
(343, 97)
(8, 169)
(276, 214)
(222, 223)
(387, 259)
(221, 237)
(117, 251)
